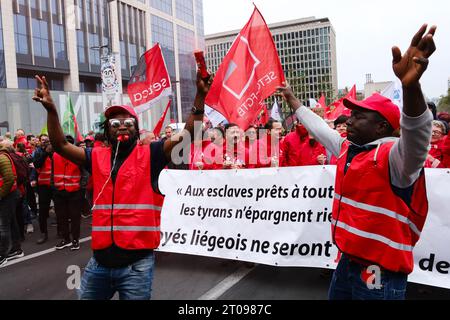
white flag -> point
(312, 103)
(214, 116)
(275, 112)
(395, 93)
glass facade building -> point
(307, 51)
(65, 40)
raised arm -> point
(315, 125)
(187, 135)
(55, 132)
(409, 154)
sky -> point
(365, 32)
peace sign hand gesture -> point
(410, 67)
(42, 94)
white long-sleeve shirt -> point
(407, 155)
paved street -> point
(42, 275)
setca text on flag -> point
(150, 80)
(250, 72)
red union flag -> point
(250, 72)
(150, 80)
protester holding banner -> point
(380, 203)
(127, 202)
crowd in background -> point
(55, 185)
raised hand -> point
(203, 84)
(288, 95)
(410, 67)
(42, 94)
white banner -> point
(281, 217)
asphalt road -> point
(46, 274)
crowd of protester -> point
(49, 189)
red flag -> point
(250, 72)
(159, 125)
(264, 116)
(78, 136)
(322, 101)
(339, 108)
(150, 80)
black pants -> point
(19, 217)
(45, 196)
(9, 231)
(31, 198)
(68, 206)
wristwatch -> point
(195, 111)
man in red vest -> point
(68, 199)
(127, 202)
(380, 203)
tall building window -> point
(162, 5)
(199, 24)
(133, 54)
(186, 44)
(21, 34)
(123, 55)
(162, 33)
(81, 47)
(40, 38)
(59, 42)
(94, 53)
(80, 11)
(88, 12)
(2, 55)
(185, 11)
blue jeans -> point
(348, 283)
(133, 282)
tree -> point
(444, 102)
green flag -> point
(70, 125)
(44, 130)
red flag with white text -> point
(150, 80)
(250, 72)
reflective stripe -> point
(126, 228)
(374, 236)
(128, 206)
(46, 171)
(66, 184)
(379, 210)
(67, 177)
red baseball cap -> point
(90, 138)
(376, 102)
(118, 109)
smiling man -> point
(380, 203)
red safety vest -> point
(45, 173)
(128, 212)
(14, 186)
(66, 174)
(370, 222)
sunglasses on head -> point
(115, 123)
